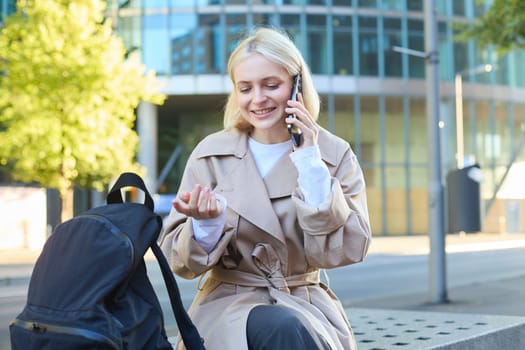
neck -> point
(270, 136)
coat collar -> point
(235, 143)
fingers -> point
(304, 121)
(200, 203)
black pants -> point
(274, 327)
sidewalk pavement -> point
(503, 297)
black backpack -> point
(89, 288)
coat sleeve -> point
(186, 257)
(337, 232)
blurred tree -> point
(68, 94)
(502, 26)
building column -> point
(147, 125)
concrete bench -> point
(378, 329)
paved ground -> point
(503, 297)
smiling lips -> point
(263, 112)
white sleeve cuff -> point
(207, 232)
(314, 177)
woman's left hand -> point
(304, 121)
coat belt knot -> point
(270, 276)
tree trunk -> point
(53, 211)
(67, 204)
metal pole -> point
(460, 154)
(437, 261)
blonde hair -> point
(276, 46)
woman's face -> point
(262, 88)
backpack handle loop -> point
(129, 180)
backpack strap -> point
(129, 180)
(188, 332)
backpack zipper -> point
(42, 328)
(115, 230)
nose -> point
(259, 95)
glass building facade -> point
(372, 96)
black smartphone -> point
(295, 133)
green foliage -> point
(502, 26)
(68, 95)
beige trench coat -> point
(273, 245)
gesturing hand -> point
(199, 204)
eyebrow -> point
(263, 79)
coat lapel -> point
(281, 181)
(242, 186)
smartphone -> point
(295, 133)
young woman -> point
(263, 215)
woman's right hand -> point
(199, 204)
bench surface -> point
(379, 329)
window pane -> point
(235, 25)
(343, 52)
(418, 132)
(502, 73)
(203, 2)
(398, 5)
(181, 3)
(447, 66)
(291, 23)
(441, 7)
(414, 5)
(316, 41)
(155, 3)
(183, 35)
(342, 2)
(368, 62)
(518, 68)
(460, 57)
(484, 138)
(370, 137)
(371, 158)
(419, 200)
(458, 7)
(394, 130)
(392, 37)
(396, 204)
(345, 124)
(290, 20)
(504, 130)
(367, 3)
(263, 19)
(316, 2)
(416, 41)
(208, 45)
(519, 123)
(155, 44)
